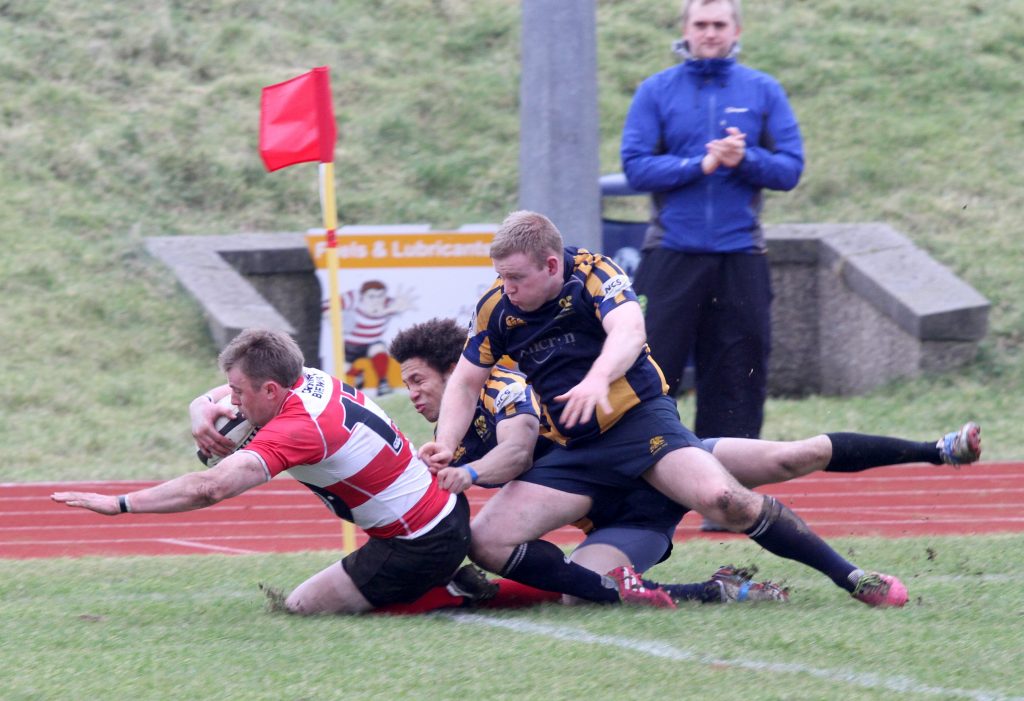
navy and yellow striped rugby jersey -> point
(555, 345)
(505, 394)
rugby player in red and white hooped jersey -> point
(343, 447)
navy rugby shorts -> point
(639, 521)
(617, 457)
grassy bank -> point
(122, 121)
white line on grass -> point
(655, 649)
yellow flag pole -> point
(329, 208)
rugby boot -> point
(961, 447)
(736, 584)
(471, 583)
(880, 590)
(633, 591)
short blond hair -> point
(261, 355)
(527, 232)
(736, 10)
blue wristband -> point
(473, 476)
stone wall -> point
(856, 305)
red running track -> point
(282, 516)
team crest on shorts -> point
(657, 443)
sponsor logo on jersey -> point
(615, 285)
(314, 385)
(513, 321)
(460, 452)
(509, 394)
(656, 444)
(542, 350)
(734, 110)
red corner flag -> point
(297, 121)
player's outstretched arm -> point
(196, 490)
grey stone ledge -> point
(856, 304)
(923, 297)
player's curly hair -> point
(437, 342)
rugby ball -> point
(237, 429)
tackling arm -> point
(627, 334)
(511, 457)
(458, 404)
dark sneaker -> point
(881, 590)
(633, 591)
(736, 584)
(961, 447)
(471, 582)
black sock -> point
(543, 565)
(781, 532)
(855, 452)
(704, 592)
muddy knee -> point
(734, 508)
(296, 605)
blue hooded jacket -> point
(673, 115)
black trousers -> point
(715, 308)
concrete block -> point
(924, 297)
(856, 305)
(229, 301)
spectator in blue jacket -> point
(705, 137)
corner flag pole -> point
(297, 126)
(330, 215)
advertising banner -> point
(391, 277)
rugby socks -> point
(704, 592)
(510, 595)
(543, 565)
(517, 595)
(855, 452)
(432, 600)
(781, 532)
